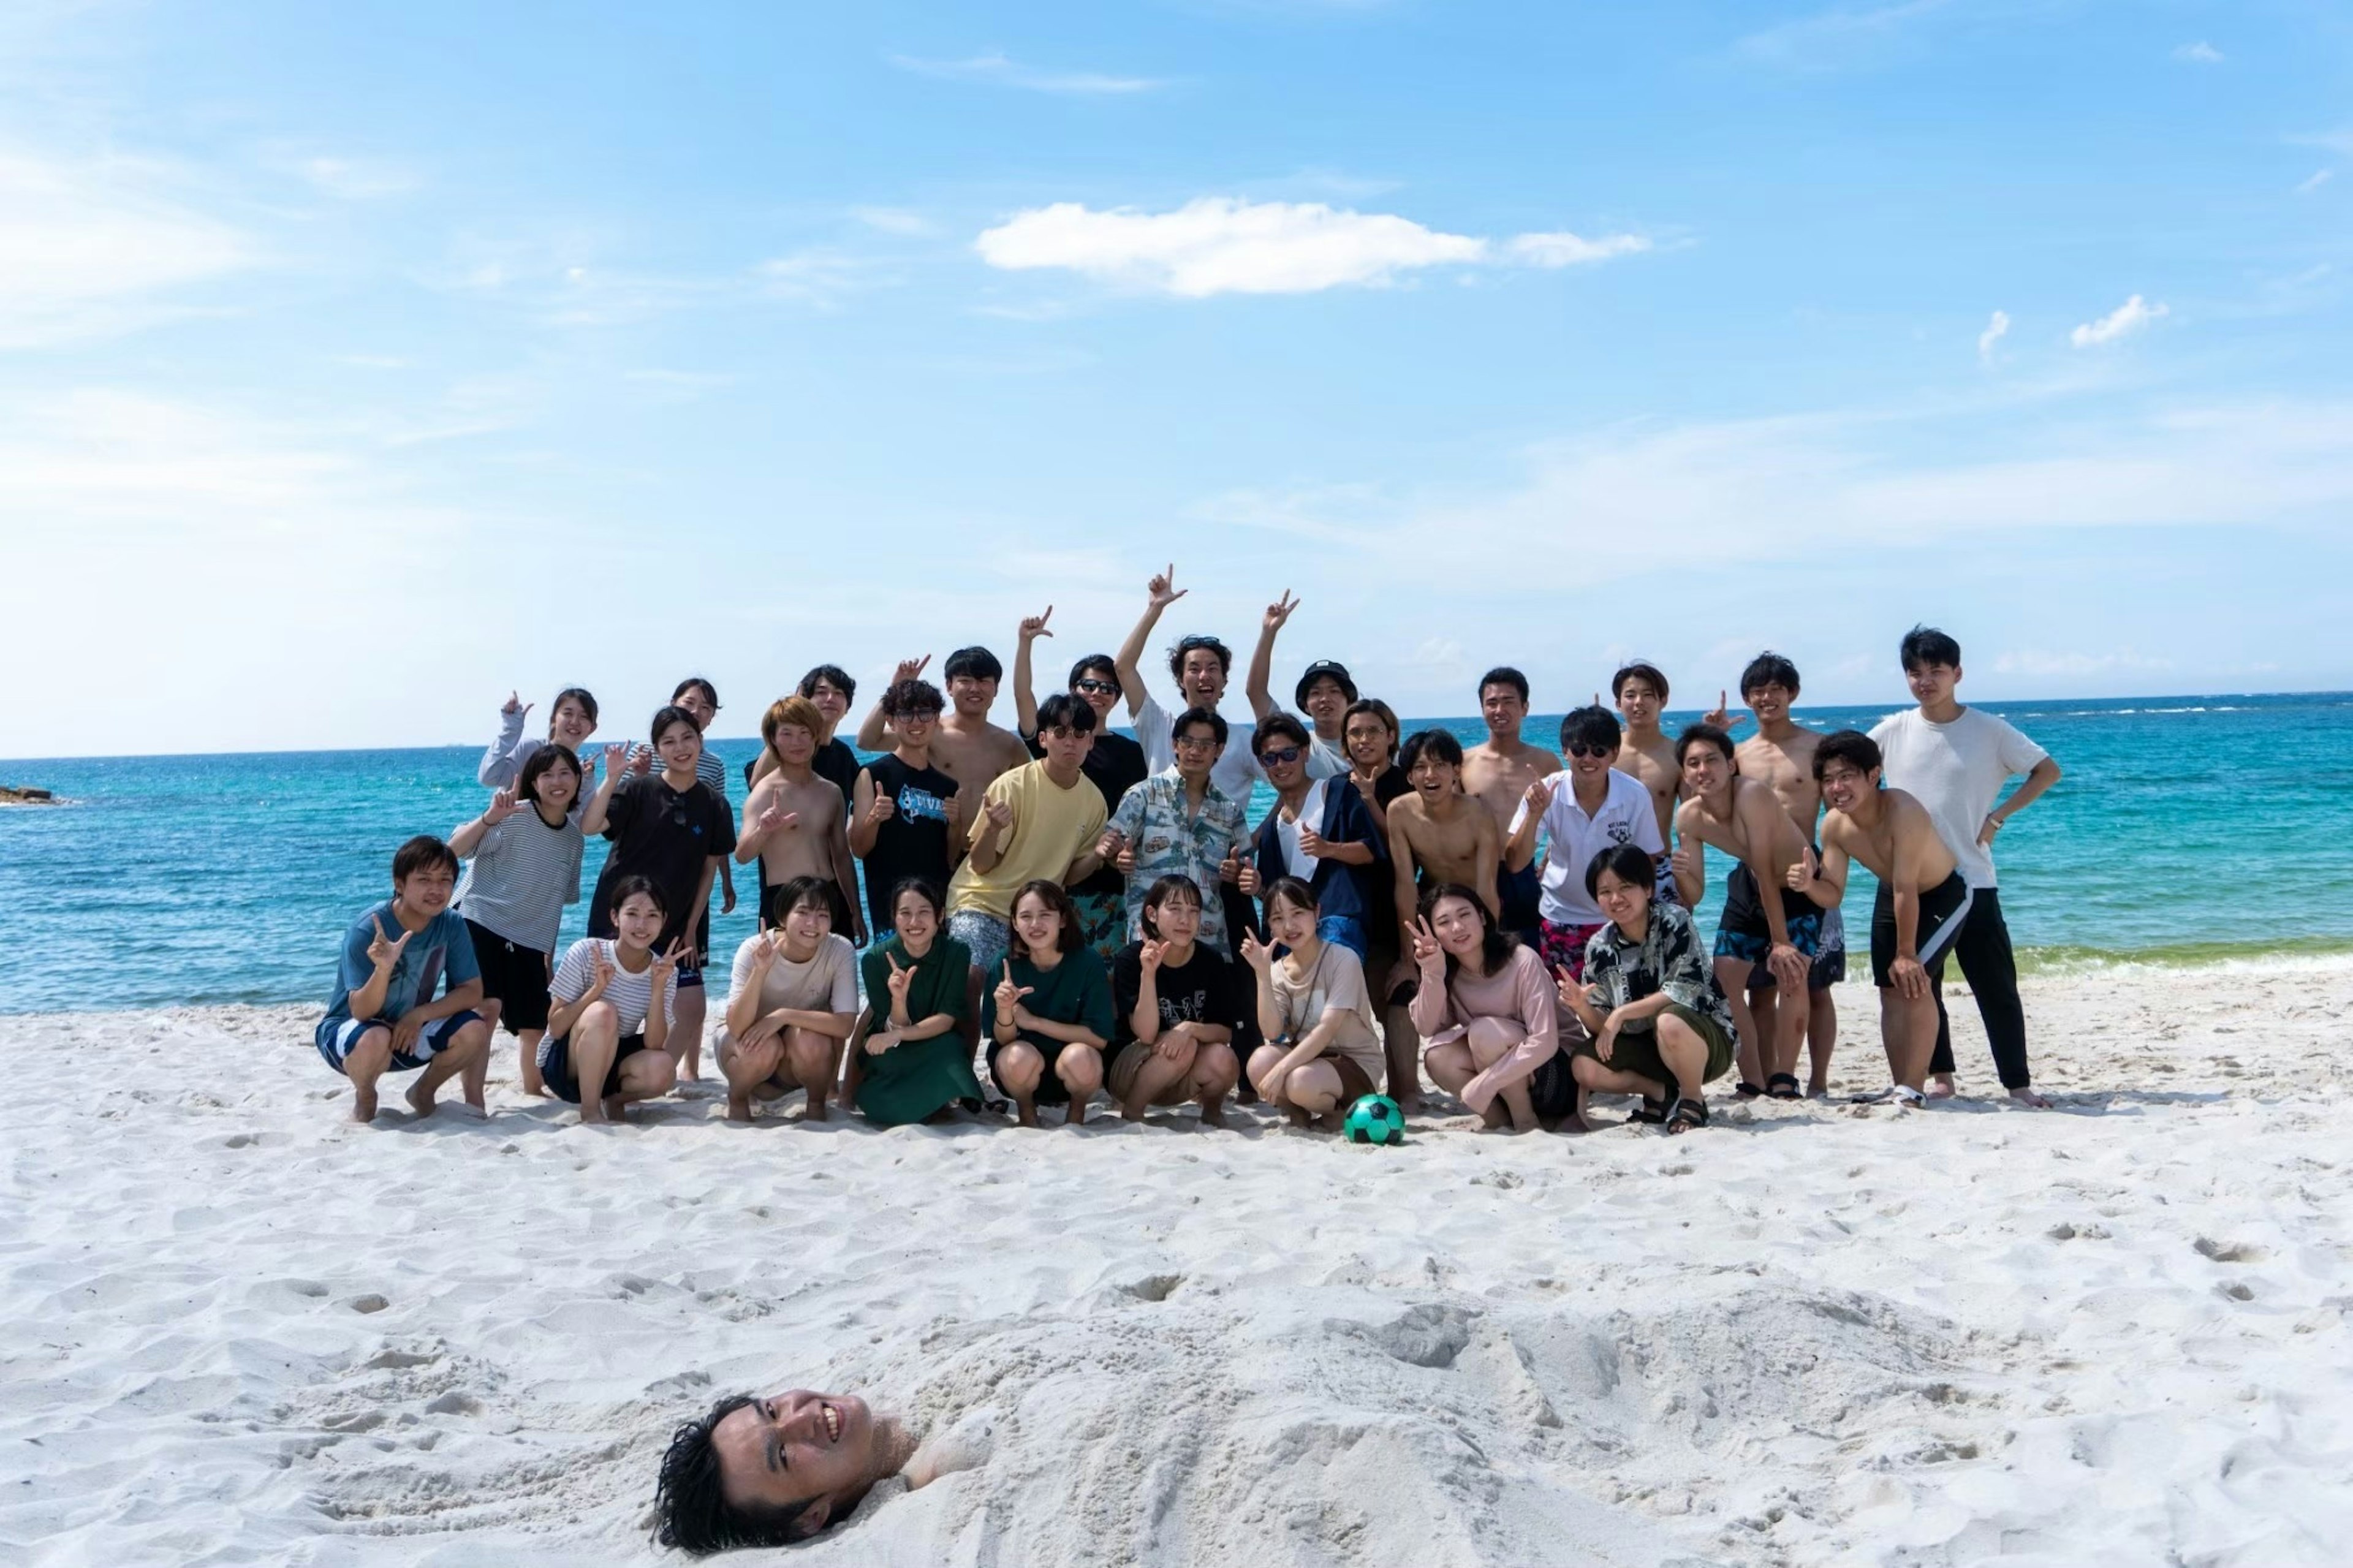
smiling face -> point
(795, 1447)
(679, 747)
(1291, 924)
(1432, 778)
(916, 921)
(557, 787)
(1504, 710)
(637, 922)
(1201, 677)
(794, 744)
(570, 724)
(1844, 784)
(1285, 760)
(1098, 687)
(1039, 924)
(808, 925)
(428, 890)
(916, 726)
(972, 694)
(1706, 770)
(1627, 903)
(1179, 917)
(1638, 701)
(830, 699)
(1588, 762)
(1458, 928)
(1326, 699)
(1770, 702)
(695, 701)
(1197, 750)
(1370, 742)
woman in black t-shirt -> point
(903, 817)
(1179, 1002)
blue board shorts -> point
(338, 1038)
(1741, 930)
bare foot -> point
(1572, 1125)
(1213, 1115)
(363, 1105)
(1131, 1112)
(420, 1100)
(739, 1108)
(1297, 1117)
(1333, 1120)
(536, 1085)
(1076, 1116)
(814, 1110)
(1407, 1104)
(2028, 1096)
(1940, 1086)
(1819, 1088)
(1025, 1111)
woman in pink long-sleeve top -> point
(1486, 1007)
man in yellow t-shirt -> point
(1041, 820)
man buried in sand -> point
(772, 1472)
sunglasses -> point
(1283, 756)
(1198, 639)
(1091, 688)
(1604, 752)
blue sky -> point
(361, 363)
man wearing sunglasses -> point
(1321, 832)
(1586, 808)
(1179, 823)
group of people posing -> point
(1073, 911)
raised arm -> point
(467, 837)
(499, 767)
(600, 805)
(874, 730)
(1025, 692)
(989, 835)
(1163, 592)
(1262, 664)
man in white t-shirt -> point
(1955, 761)
(1588, 806)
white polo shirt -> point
(1625, 816)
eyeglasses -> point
(1195, 743)
(1604, 752)
(1064, 733)
(1281, 755)
(1091, 688)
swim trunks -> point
(1741, 932)
(1563, 947)
(1944, 910)
(555, 1066)
(1829, 965)
(338, 1038)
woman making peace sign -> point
(917, 1055)
(1048, 1014)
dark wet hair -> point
(1070, 935)
(1629, 863)
(578, 694)
(1064, 712)
(1852, 746)
(911, 696)
(792, 895)
(1278, 725)
(1494, 944)
(833, 675)
(1176, 886)
(1177, 655)
(1640, 669)
(1591, 727)
(673, 714)
(922, 887)
(1192, 716)
(976, 662)
(1769, 669)
(535, 765)
(692, 1511)
(1293, 891)
(1439, 745)
(1924, 646)
(420, 853)
(1708, 734)
(695, 683)
(634, 887)
(1504, 675)
(1105, 667)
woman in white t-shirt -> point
(1324, 1049)
(791, 1002)
(609, 1027)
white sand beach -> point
(244, 1331)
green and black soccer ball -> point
(1373, 1119)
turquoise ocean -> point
(2187, 829)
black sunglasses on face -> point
(1096, 687)
(1592, 752)
(1285, 755)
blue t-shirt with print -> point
(444, 950)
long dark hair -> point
(1494, 946)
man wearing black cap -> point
(1323, 694)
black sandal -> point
(1686, 1115)
(1653, 1112)
(1748, 1090)
(1773, 1089)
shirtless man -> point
(794, 823)
(966, 746)
(1496, 773)
(1781, 756)
(1923, 900)
(1644, 752)
(1440, 831)
(1764, 918)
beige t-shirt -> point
(1335, 979)
(1051, 826)
(827, 982)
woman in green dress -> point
(917, 1060)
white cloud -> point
(1223, 244)
(1997, 328)
(2201, 53)
(819, 277)
(998, 70)
(893, 220)
(2125, 319)
(2043, 663)
(2313, 182)
(93, 247)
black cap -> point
(1317, 671)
